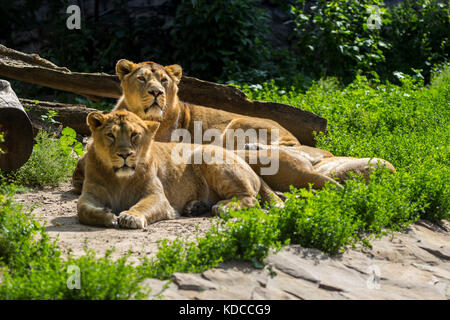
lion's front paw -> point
(111, 218)
(131, 220)
(196, 208)
(221, 209)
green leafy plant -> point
(418, 33)
(49, 117)
(224, 38)
(52, 160)
(408, 125)
(333, 38)
(32, 267)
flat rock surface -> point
(411, 265)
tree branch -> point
(34, 69)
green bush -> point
(210, 39)
(52, 160)
(248, 234)
(10, 217)
(221, 39)
(407, 125)
(31, 266)
(333, 38)
(418, 34)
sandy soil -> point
(56, 209)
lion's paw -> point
(196, 208)
(131, 221)
(219, 209)
(110, 219)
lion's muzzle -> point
(126, 168)
(153, 105)
(124, 171)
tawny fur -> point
(299, 165)
(130, 175)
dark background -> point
(244, 41)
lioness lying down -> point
(151, 92)
(130, 175)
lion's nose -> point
(124, 155)
(155, 92)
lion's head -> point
(121, 140)
(150, 89)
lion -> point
(132, 181)
(150, 91)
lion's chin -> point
(153, 112)
(124, 171)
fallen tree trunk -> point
(69, 115)
(299, 122)
(16, 129)
(32, 68)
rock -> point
(271, 294)
(174, 294)
(157, 286)
(192, 281)
(443, 252)
(411, 265)
(403, 272)
(301, 289)
(442, 272)
(330, 274)
(288, 263)
(229, 278)
(224, 294)
(237, 282)
(411, 290)
(407, 250)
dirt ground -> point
(56, 208)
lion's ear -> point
(152, 126)
(123, 67)
(95, 119)
(175, 71)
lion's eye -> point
(164, 80)
(142, 79)
(134, 135)
(110, 136)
